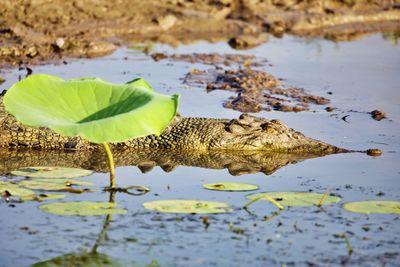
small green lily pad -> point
(87, 259)
(63, 181)
(51, 172)
(372, 206)
(42, 197)
(187, 206)
(230, 186)
(84, 208)
(296, 198)
(15, 190)
(52, 184)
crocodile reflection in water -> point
(237, 162)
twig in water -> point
(321, 201)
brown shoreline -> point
(43, 31)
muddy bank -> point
(38, 31)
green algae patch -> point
(83, 208)
(300, 199)
(15, 190)
(230, 186)
(373, 206)
(188, 206)
(51, 172)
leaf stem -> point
(321, 201)
(348, 244)
(106, 225)
(110, 164)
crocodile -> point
(244, 133)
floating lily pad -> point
(42, 197)
(86, 259)
(296, 198)
(51, 172)
(15, 190)
(187, 206)
(230, 186)
(52, 184)
(368, 207)
(68, 182)
(94, 109)
(84, 208)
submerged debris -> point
(374, 152)
(378, 115)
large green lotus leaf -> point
(296, 198)
(96, 110)
(187, 206)
(51, 172)
(368, 207)
(52, 184)
(230, 186)
(83, 208)
(15, 190)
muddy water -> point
(358, 77)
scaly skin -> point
(245, 133)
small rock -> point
(166, 22)
(378, 115)
(375, 152)
(60, 43)
(196, 72)
(158, 56)
(2, 80)
(31, 51)
(330, 109)
(247, 41)
(96, 49)
(222, 13)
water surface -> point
(360, 76)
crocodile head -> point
(253, 133)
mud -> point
(255, 90)
(213, 59)
(41, 31)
